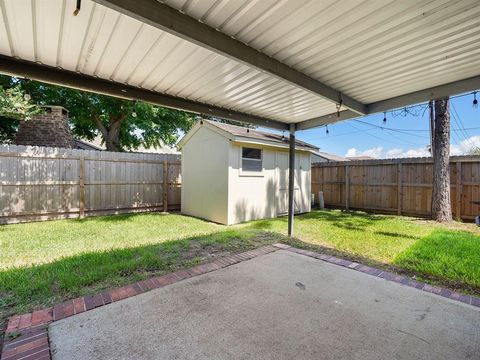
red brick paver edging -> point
(404, 280)
(26, 337)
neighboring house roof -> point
(243, 134)
(329, 157)
(96, 144)
(363, 157)
(79, 144)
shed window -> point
(252, 159)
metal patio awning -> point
(270, 62)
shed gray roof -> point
(258, 135)
(331, 157)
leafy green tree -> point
(122, 124)
(14, 105)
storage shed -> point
(232, 174)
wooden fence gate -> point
(397, 186)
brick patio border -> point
(404, 280)
(26, 337)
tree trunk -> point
(441, 206)
(112, 140)
(111, 135)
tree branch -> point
(100, 125)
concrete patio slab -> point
(277, 306)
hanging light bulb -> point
(27, 97)
(283, 135)
(384, 117)
(326, 129)
(475, 101)
(77, 8)
(134, 112)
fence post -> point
(347, 187)
(82, 188)
(459, 190)
(399, 189)
(165, 185)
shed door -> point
(281, 170)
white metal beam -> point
(30, 70)
(164, 17)
(436, 92)
(417, 97)
(326, 119)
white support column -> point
(291, 180)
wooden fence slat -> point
(165, 185)
(82, 188)
(458, 190)
(347, 187)
(399, 188)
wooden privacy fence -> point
(397, 186)
(39, 183)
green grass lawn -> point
(445, 254)
(48, 262)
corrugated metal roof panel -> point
(369, 50)
(106, 44)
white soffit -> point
(103, 43)
(369, 50)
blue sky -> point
(404, 135)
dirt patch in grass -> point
(29, 288)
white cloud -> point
(375, 152)
(465, 146)
(393, 153)
(378, 152)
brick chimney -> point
(49, 129)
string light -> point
(413, 110)
(134, 113)
(384, 117)
(77, 8)
(339, 104)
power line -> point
(390, 129)
(413, 110)
(455, 113)
(382, 139)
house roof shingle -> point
(258, 135)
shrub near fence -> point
(38, 183)
(397, 186)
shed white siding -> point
(214, 186)
(265, 195)
(205, 176)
